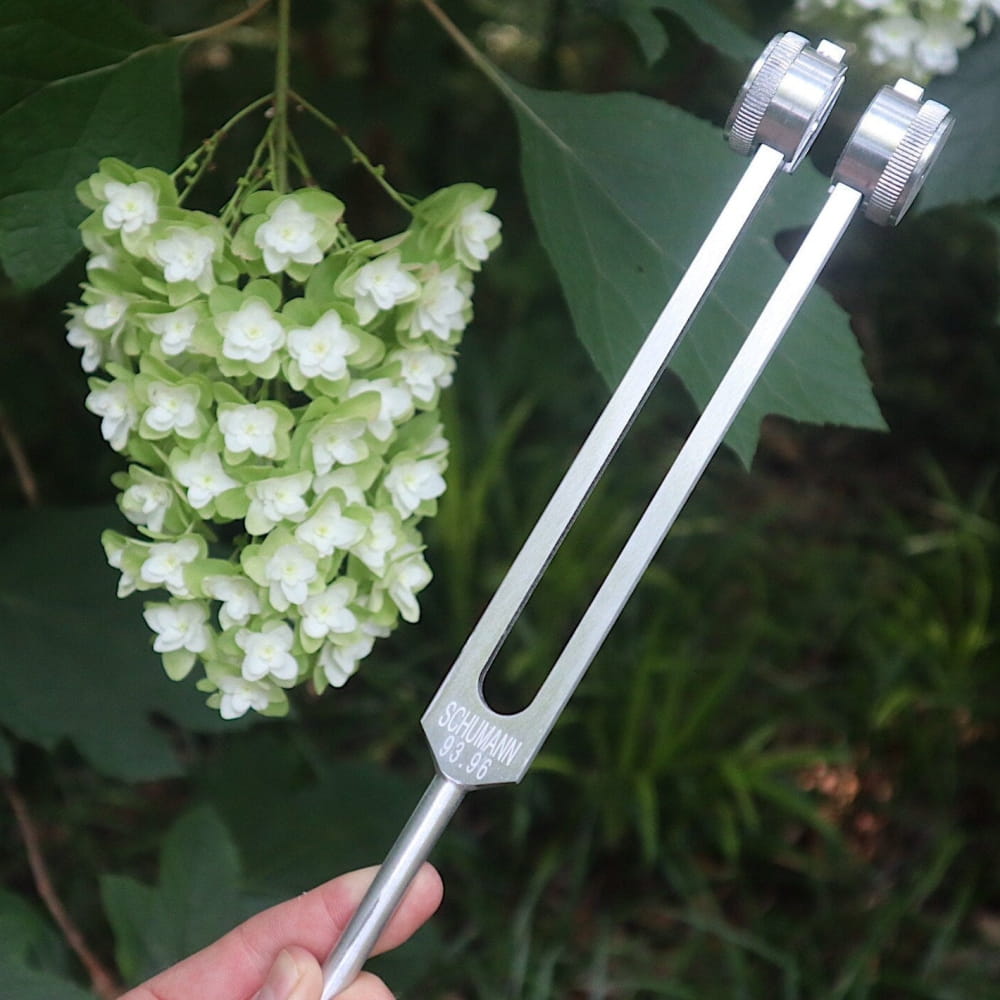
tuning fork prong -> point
(786, 98)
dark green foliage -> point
(779, 777)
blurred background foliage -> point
(778, 778)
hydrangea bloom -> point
(289, 235)
(381, 284)
(917, 39)
(322, 350)
(268, 653)
(202, 474)
(441, 308)
(185, 255)
(130, 207)
(288, 422)
(175, 330)
(252, 334)
(250, 427)
(115, 404)
(166, 562)
(240, 598)
(240, 695)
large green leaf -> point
(76, 662)
(32, 956)
(199, 898)
(706, 20)
(969, 166)
(623, 189)
(345, 818)
(82, 79)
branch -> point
(217, 29)
(102, 981)
(19, 459)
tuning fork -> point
(778, 112)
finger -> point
(295, 975)
(366, 987)
(236, 965)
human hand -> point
(276, 954)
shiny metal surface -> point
(787, 98)
(893, 147)
(474, 746)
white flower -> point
(936, 51)
(380, 539)
(115, 404)
(440, 310)
(147, 503)
(410, 482)
(268, 653)
(396, 404)
(250, 427)
(239, 597)
(338, 442)
(79, 335)
(281, 498)
(130, 206)
(107, 314)
(330, 529)
(252, 333)
(339, 662)
(185, 255)
(424, 371)
(115, 549)
(289, 235)
(406, 575)
(202, 474)
(328, 612)
(239, 695)
(179, 625)
(343, 478)
(381, 284)
(891, 40)
(172, 408)
(289, 572)
(175, 329)
(165, 563)
(475, 230)
(322, 350)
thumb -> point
(295, 975)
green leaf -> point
(32, 956)
(199, 898)
(86, 81)
(346, 818)
(77, 661)
(968, 168)
(623, 189)
(705, 19)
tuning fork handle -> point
(413, 845)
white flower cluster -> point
(275, 391)
(917, 39)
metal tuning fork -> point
(777, 114)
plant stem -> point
(101, 979)
(198, 161)
(281, 91)
(377, 173)
(223, 26)
(22, 467)
(475, 56)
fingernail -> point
(281, 980)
